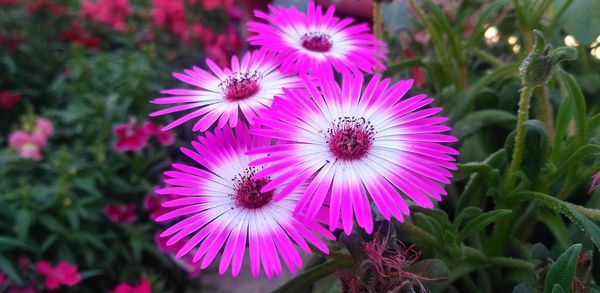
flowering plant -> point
(302, 146)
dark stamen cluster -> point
(247, 190)
(317, 42)
(350, 138)
(241, 85)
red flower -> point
(76, 35)
(110, 12)
(63, 274)
(416, 71)
(144, 287)
(45, 5)
(153, 129)
(121, 213)
(11, 40)
(8, 99)
(129, 136)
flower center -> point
(317, 42)
(241, 85)
(247, 191)
(350, 138)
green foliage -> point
(561, 274)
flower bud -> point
(537, 66)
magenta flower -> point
(595, 183)
(143, 287)
(129, 136)
(121, 213)
(63, 274)
(248, 87)
(350, 144)
(223, 209)
(3, 278)
(316, 42)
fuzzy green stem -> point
(517, 156)
(545, 110)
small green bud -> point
(536, 68)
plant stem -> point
(517, 156)
(377, 24)
(545, 110)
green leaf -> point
(586, 225)
(24, 221)
(459, 105)
(536, 149)
(10, 243)
(308, 277)
(432, 268)
(563, 117)
(579, 105)
(581, 19)
(480, 222)
(9, 269)
(480, 119)
(563, 270)
(558, 289)
(393, 69)
(467, 214)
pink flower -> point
(164, 137)
(170, 15)
(317, 42)
(203, 34)
(248, 86)
(42, 130)
(350, 144)
(3, 278)
(26, 145)
(129, 136)
(8, 99)
(121, 213)
(595, 183)
(224, 210)
(144, 287)
(110, 12)
(63, 274)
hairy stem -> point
(517, 156)
(545, 110)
